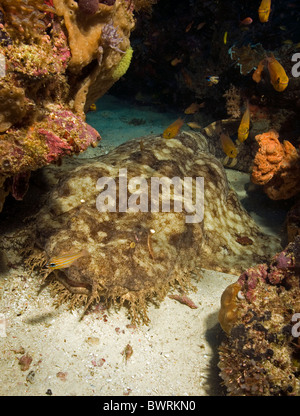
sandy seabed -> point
(175, 355)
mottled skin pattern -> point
(126, 262)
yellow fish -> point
(228, 146)
(279, 78)
(213, 79)
(93, 107)
(243, 130)
(194, 125)
(225, 38)
(200, 26)
(173, 129)
(189, 26)
(176, 61)
(264, 10)
(193, 108)
(65, 260)
(257, 73)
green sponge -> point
(123, 64)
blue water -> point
(113, 119)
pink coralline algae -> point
(55, 144)
(80, 133)
(282, 264)
(60, 133)
(250, 278)
(281, 267)
(67, 133)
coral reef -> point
(58, 57)
(293, 222)
(246, 150)
(261, 353)
(88, 6)
(276, 166)
(247, 57)
(229, 307)
(135, 256)
(97, 41)
(46, 141)
(26, 20)
(233, 101)
(171, 66)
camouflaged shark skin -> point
(136, 257)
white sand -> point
(175, 355)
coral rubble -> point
(136, 256)
(56, 59)
(247, 57)
(261, 354)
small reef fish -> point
(173, 129)
(287, 42)
(193, 108)
(257, 73)
(200, 26)
(93, 107)
(194, 125)
(264, 10)
(65, 260)
(247, 21)
(278, 76)
(228, 146)
(243, 130)
(189, 26)
(225, 38)
(214, 79)
(176, 61)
